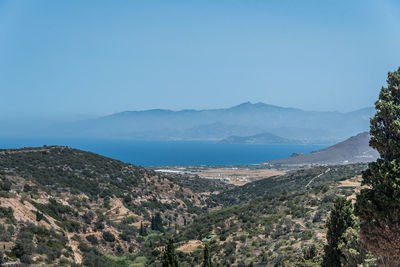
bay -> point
(171, 153)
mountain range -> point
(244, 120)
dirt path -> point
(319, 175)
(74, 245)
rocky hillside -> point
(65, 207)
(271, 222)
(81, 200)
(353, 150)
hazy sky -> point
(66, 58)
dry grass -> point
(190, 246)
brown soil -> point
(191, 246)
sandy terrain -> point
(190, 246)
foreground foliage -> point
(378, 205)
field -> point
(231, 175)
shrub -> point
(92, 240)
(109, 237)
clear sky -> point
(70, 58)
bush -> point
(5, 185)
(109, 237)
(125, 237)
(7, 213)
(26, 259)
(92, 240)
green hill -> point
(65, 207)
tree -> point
(310, 252)
(119, 249)
(156, 223)
(378, 205)
(340, 219)
(169, 257)
(353, 251)
(142, 230)
(207, 257)
(19, 249)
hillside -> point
(65, 207)
(298, 180)
(80, 199)
(353, 150)
(270, 222)
(263, 138)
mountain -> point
(263, 138)
(353, 150)
(246, 119)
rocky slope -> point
(87, 204)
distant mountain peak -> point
(260, 105)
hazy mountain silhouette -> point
(246, 119)
(215, 124)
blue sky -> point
(89, 58)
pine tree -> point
(169, 257)
(207, 257)
(378, 205)
(340, 219)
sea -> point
(171, 153)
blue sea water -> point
(171, 153)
